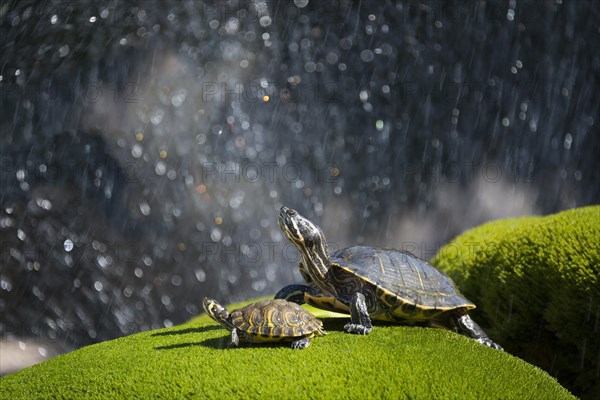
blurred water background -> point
(146, 147)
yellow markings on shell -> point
(420, 279)
(380, 264)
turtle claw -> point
(235, 339)
(489, 343)
(357, 328)
(300, 343)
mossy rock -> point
(536, 282)
(193, 361)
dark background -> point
(142, 166)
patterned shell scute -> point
(275, 318)
(403, 275)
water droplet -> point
(309, 66)
(43, 352)
(54, 19)
(563, 174)
(176, 280)
(367, 55)
(145, 208)
(300, 3)
(191, 309)
(63, 51)
(331, 58)
(68, 245)
(346, 43)
(43, 203)
(568, 141)
(103, 262)
(215, 234)
(201, 138)
(160, 168)
(5, 285)
(156, 116)
(265, 21)
(136, 151)
(200, 275)
(98, 286)
(259, 285)
(255, 233)
(178, 97)
(532, 126)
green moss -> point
(192, 361)
(536, 281)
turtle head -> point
(300, 231)
(215, 310)
(310, 241)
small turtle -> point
(374, 283)
(267, 321)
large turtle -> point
(374, 283)
(267, 321)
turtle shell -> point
(401, 285)
(275, 319)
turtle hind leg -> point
(301, 343)
(470, 328)
(360, 320)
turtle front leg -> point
(470, 328)
(301, 343)
(361, 322)
(293, 293)
(235, 339)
